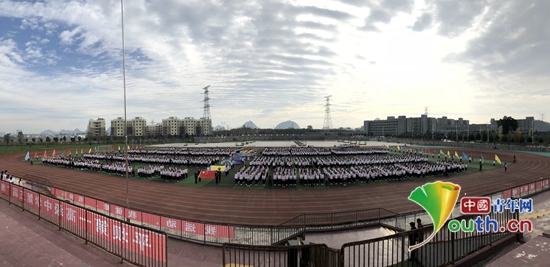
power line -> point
(327, 125)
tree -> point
(73, 139)
(478, 136)
(64, 139)
(41, 140)
(48, 139)
(79, 139)
(56, 139)
(508, 124)
(34, 140)
(504, 139)
(20, 137)
(7, 139)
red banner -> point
(117, 210)
(90, 203)
(524, 189)
(69, 196)
(150, 219)
(532, 187)
(200, 229)
(74, 215)
(545, 183)
(17, 193)
(170, 224)
(516, 192)
(539, 185)
(79, 199)
(507, 194)
(48, 205)
(103, 206)
(4, 187)
(133, 215)
(132, 238)
(32, 199)
(226, 231)
(58, 193)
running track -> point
(271, 207)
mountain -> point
(62, 132)
(250, 125)
(219, 128)
(67, 132)
(48, 132)
(287, 125)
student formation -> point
(275, 166)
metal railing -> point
(318, 255)
(445, 248)
(135, 244)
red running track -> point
(269, 207)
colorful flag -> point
(207, 174)
(448, 153)
(95, 148)
(497, 159)
(482, 160)
(118, 148)
(90, 151)
(45, 154)
(441, 152)
(398, 148)
(128, 147)
(36, 154)
(82, 151)
(456, 155)
(464, 155)
(27, 157)
(69, 152)
(53, 153)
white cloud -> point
(271, 61)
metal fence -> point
(446, 247)
(318, 255)
(135, 244)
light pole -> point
(125, 121)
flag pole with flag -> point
(36, 154)
(497, 159)
(53, 153)
(482, 160)
(27, 157)
(45, 155)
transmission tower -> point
(542, 116)
(327, 125)
(206, 113)
(426, 111)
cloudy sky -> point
(271, 61)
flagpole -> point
(124, 84)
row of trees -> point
(21, 140)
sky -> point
(271, 61)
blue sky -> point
(271, 61)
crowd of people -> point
(277, 166)
(7, 177)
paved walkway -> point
(27, 241)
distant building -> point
(134, 127)
(137, 126)
(175, 127)
(393, 126)
(96, 127)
